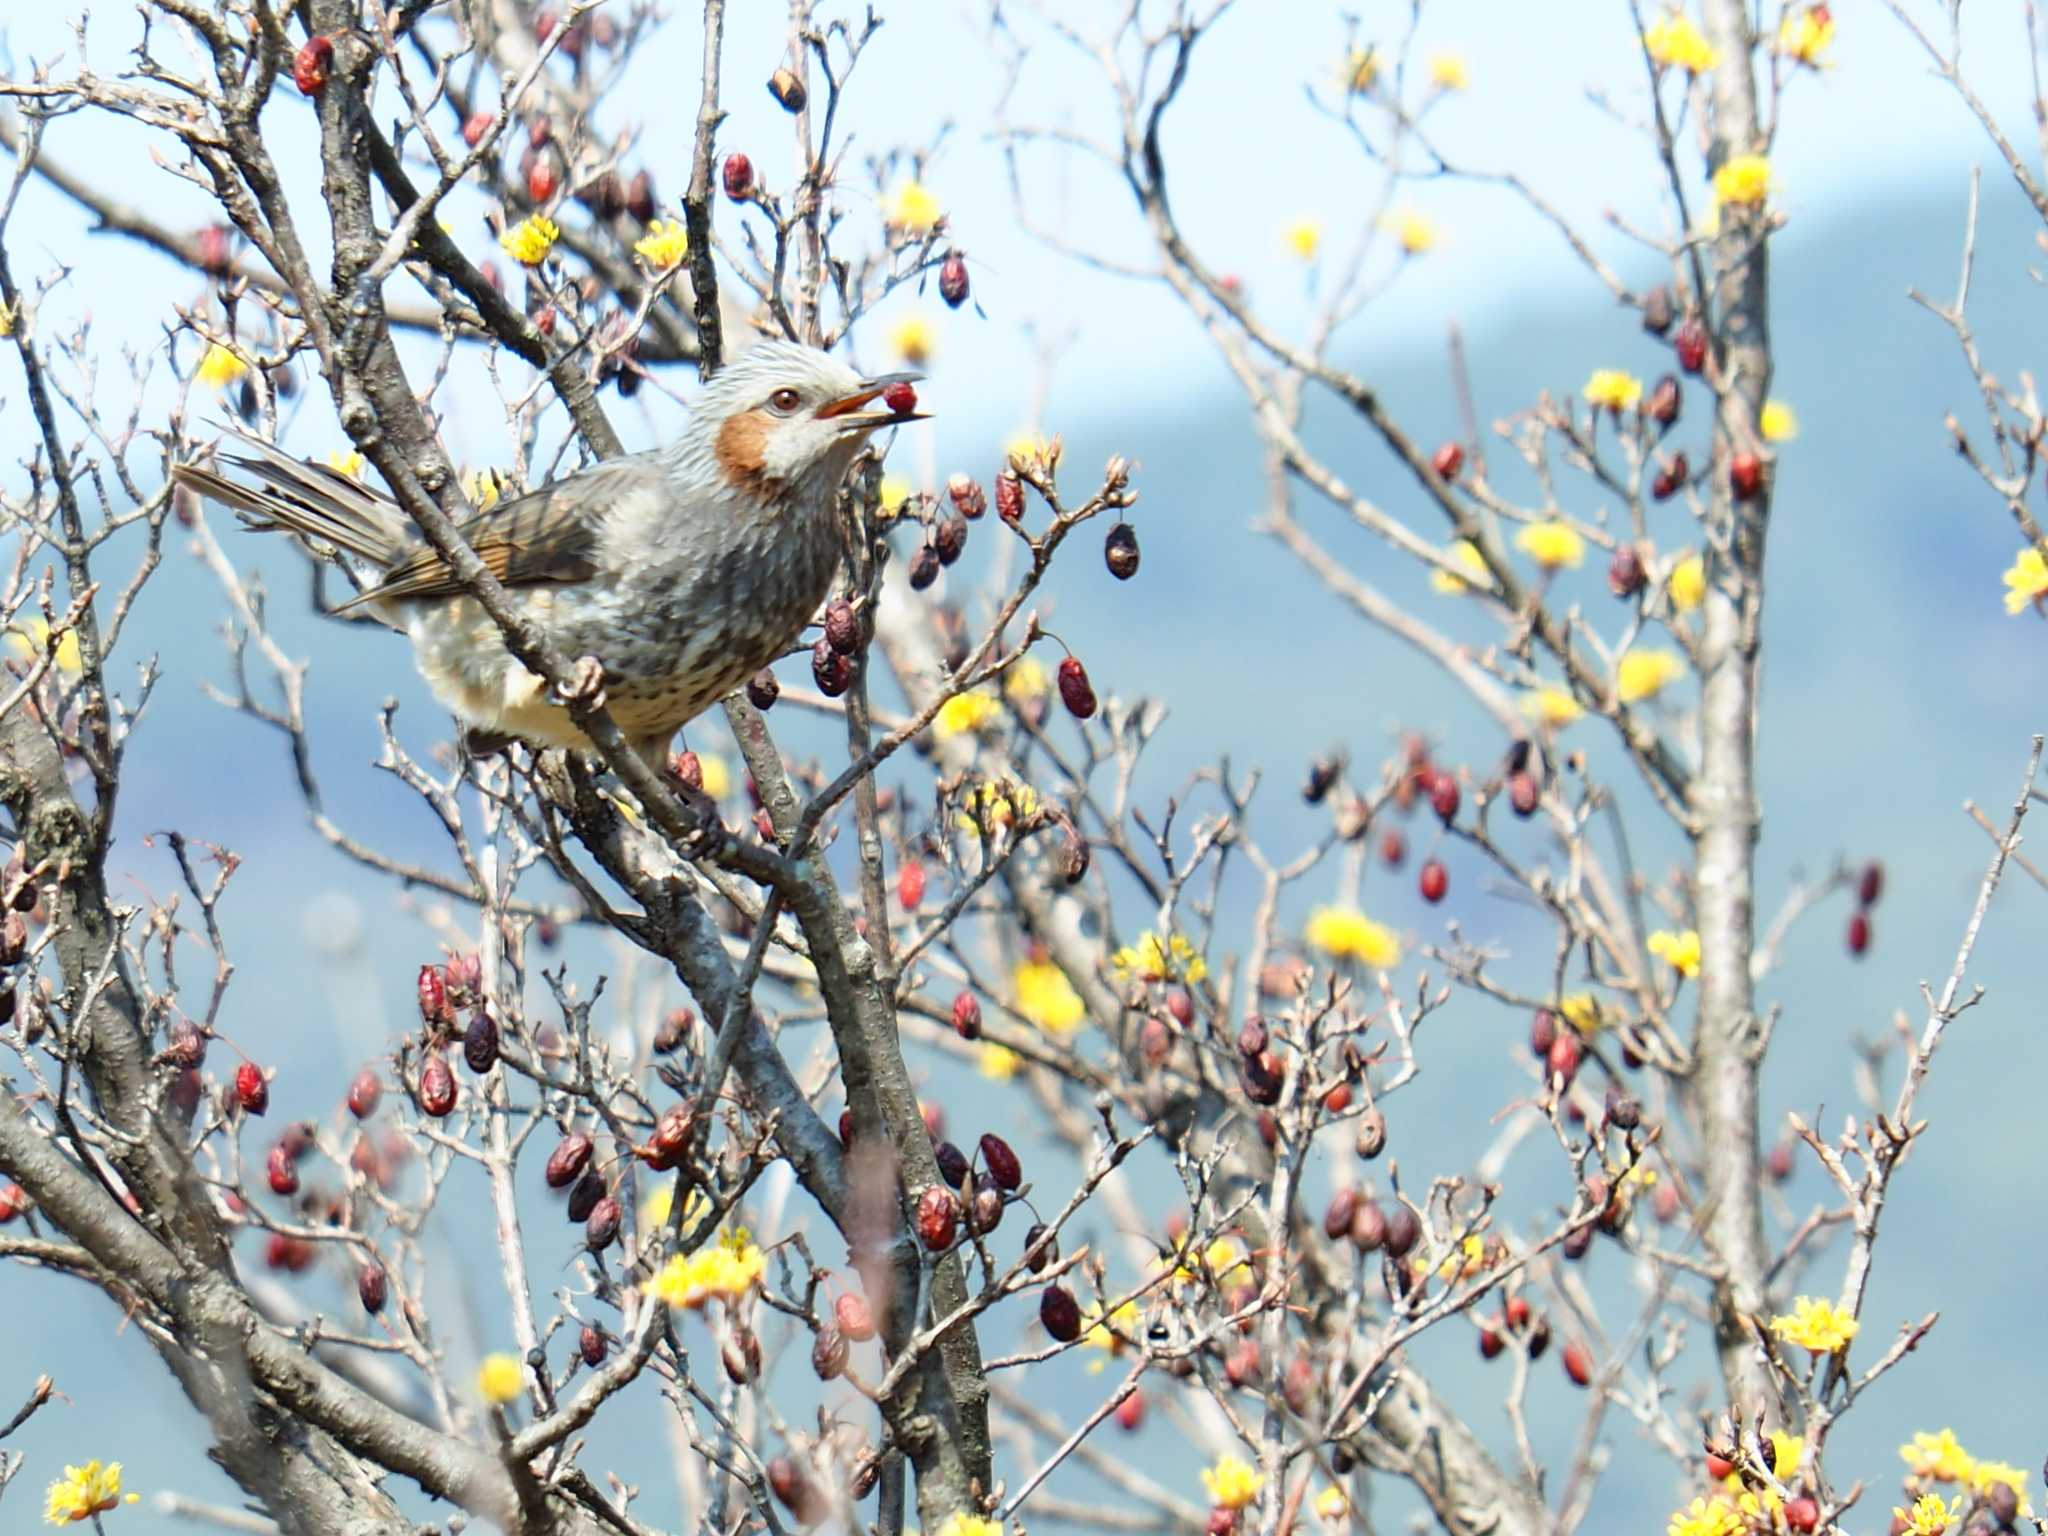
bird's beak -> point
(847, 413)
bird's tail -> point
(319, 503)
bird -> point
(684, 569)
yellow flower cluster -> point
(1708, 1517)
(1465, 553)
(959, 1524)
(2026, 580)
(1044, 996)
(664, 245)
(31, 638)
(1613, 389)
(1225, 1260)
(1110, 1332)
(1643, 674)
(965, 713)
(1673, 42)
(1552, 707)
(914, 339)
(529, 241)
(1930, 1515)
(1232, 1482)
(1154, 959)
(1026, 680)
(1415, 231)
(1807, 34)
(1304, 238)
(725, 1271)
(998, 1063)
(500, 1379)
(1816, 1325)
(1448, 71)
(1554, 545)
(1743, 179)
(219, 367)
(1345, 933)
(1582, 1011)
(994, 804)
(1688, 584)
(346, 461)
(83, 1492)
(1938, 1457)
(1361, 67)
(1680, 951)
(914, 209)
(1778, 422)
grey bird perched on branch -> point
(684, 569)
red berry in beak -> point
(900, 398)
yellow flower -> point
(1673, 41)
(1985, 1473)
(1046, 998)
(1109, 1332)
(1642, 675)
(717, 777)
(1930, 1515)
(1743, 179)
(1707, 1517)
(1786, 1450)
(83, 1492)
(1680, 951)
(1447, 71)
(482, 488)
(1938, 1456)
(2026, 580)
(998, 1063)
(1552, 707)
(1614, 389)
(1031, 448)
(1232, 1483)
(913, 339)
(1304, 238)
(725, 1270)
(1582, 1011)
(529, 241)
(1820, 1326)
(31, 638)
(501, 1378)
(1026, 680)
(219, 367)
(346, 461)
(655, 1208)
(1778, 422)
(1552, 545)
(959, 1524)
(913, 209)
(1467, 1259)
(1345, 933)
(892, 493)
(1807, 35)
(6, 321)
(1332, 1505)
(964, 713)
(1150, 959)
(1466, 554)
(1416, 231)
(1361, 67)
(664, 245)
(1688, 584)
(992, 805)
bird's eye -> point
(783, 401)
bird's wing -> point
(548, 535)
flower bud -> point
(602, 1224)
(252, 1088)
(480, 1044)
(938, 1217)
(312, 64)
(738, 175)
(373, 1287)
(1009, 496)
(789, 92)
(1059, 1314)
(437, 1086)
(762, 689)
(832, 672)
(1075, 691)
(1001, 1162)
(1120, 551)
(828, 1353)
(924, 567)
(567, 1162)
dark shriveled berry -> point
(1372, 1133)
(1045, 1257)
(832, 672)
(738, 176)
(953, 1165)
(842, 629)
(590, 1345)
(790, 95)
(1368, 1226)
(762, 689)
(1075, 691)
(1001, 1162)
(373, 1287)
(1120, 551)
(1404, 1231)
(602, 1224)
(1059, 1314)
(1625, 574)
(480, 1044)
(1658, 310)
(1524, 794)
(567, 1162)
(584, 1195)
(1859, 934)
(924, 567)
(437, 1086)
(949, 539)
(1870, 884)
(953, 280)
(1338, 1214)
(1009, 496)
(1690, 343)
(1662, 403)
(828, 1353)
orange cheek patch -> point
(742, 450)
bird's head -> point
(783, 417)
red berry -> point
(437, 1086)
(567, 1162)
(967, 1016)
(1435, 881)
(910, 885)
(1001, 1163)
(938, 1217)
(1337, 1100)
(738, 174)
(967, 496)
(281, 1171)
(365, 1092)
(475, 126)
(851, 1314)
(1801, 1513)
(1542, 1032)
(602, 1224)
(1130, 1413)
(1393, 848)
(13, 1201)
(590, 1344)
(1443, 798)
(1448, 460)
(252, 1088)
(433, 997)
(1518, 1312)
(900, 397)
(842, 629)
(1719, 1467)
(541, 179)
(1745, 474)
(832, 672)
(1075, 691)
(1490, 1341)
(312, 64)
(216, 253)
(1578, 1363)
(953, 279)
(1690, 343)
(1563, 1061)
(1009, 496)
(1859, 933)
(1524, 793)
(372, 1286)
(1870, 885)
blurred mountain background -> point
(1896, 685)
